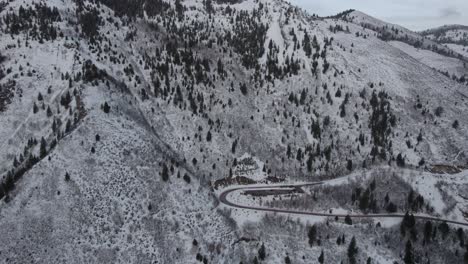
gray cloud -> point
(449, 12)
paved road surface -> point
(223, 198)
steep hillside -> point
(121, 119)
(449, 60)
(455, 34)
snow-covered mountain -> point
(122, 121)
(448, 34)
(454, 37)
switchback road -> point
(223, 198)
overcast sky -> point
(413, 14)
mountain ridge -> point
(121, 116)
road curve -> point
(223, 198)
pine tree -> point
(255, 260)
(261, 252)
(400, 160)
(15, 162)
(310, 163)
(186, 178)
(409, 256)
(364, 200)
(35, 108)
(243, 88)
(220, 67)
(43, 148)
(465, 257)
(349, 165)
(165, 173)
(321, 258)
(49, 111)
(348, 220)
(68, 126)
(312, 235)
(444, 229)
(461, 236)
(65, 100)
(352, 251)
(234, 145)
(106, 108)
(427, 231)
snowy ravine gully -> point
(229, 131)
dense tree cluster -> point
(248, 37)
(381, 122)
(37, 20)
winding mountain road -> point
(223, 198)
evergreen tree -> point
(68, 126)
(15, 163)
(179, 8)
(364, 200)
(43, 148)
(409, 255)
(187, 178)
(165, 173)
(400, 160)
(49, 111)
(349, 165)
(243, 88)
(261, 252)
(310, 163)
(234, 145)
(35, 108)
(312, 235)
(220, 67)
(427, 231)
(444, 229)
(255, 260)
(465, 257)
(106, 108)
(348, 220)
(461, 236)
(391, 208)
(65, 100)
(352, 251)
(307, 45)
(321, 258)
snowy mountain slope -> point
(452, 66)
(462, 49)
(457, 34)
(121, 115)
(423, 40)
